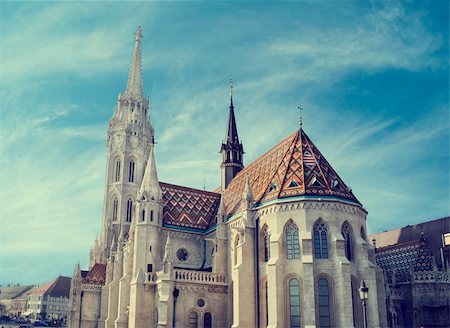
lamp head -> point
(363, 291)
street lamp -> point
(363, 291)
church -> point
(281, 243)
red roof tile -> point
(293, 167)
(188, 207)
(97, 275)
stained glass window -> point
(294, 303)
(131, 171)
(347, 234)
(320, 240)
(292, 241)
(323, 292)
(115, 209)
(129, 209)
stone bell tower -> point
(130, 137)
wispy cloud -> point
(61, 71)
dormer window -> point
(272, 187)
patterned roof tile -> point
(97, 275)
(293, 167)
(188, 207)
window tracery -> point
(320, 240)
(292, 241)
(346, 231)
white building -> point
(282, 242)
(50, 300)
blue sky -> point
(373, 78)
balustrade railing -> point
(429, 276)
(211, 278)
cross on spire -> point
(231, 88)
(300, 116)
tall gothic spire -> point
(232, 150)
(232, 134)
(134, 84)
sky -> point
(372, 76)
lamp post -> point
(363, 291)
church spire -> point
(134, 84)
(232, 134)
(150, 184)
(232, 150)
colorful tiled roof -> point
(188, 207)
(97, 275)
(293, 167)
(399, 260)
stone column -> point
(114, 290)
(309, 306)
(243, 275)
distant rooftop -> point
(432, 232)
(8, 293)
(56, 288)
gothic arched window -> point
(207, 320)
(129, 209)
(266, 244)
(143, 216)
(346, 231)
(320, 240)
(115, 208)
(294, 303)
(323, 293)
(117, 170)
(131, 171)
(292, 241)
(193, 320)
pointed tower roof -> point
(168, 251)
(77, 271)
(134, 84)
(231, 137)
(294, 167)
(150, 184)
(113, 243)
(248, 189)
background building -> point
(415, 260)
(49, 301)
(14, 299)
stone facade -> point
(282, 243)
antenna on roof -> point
(300, 116)
(204, 184)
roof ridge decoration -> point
(293, 167)
(134, 83)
